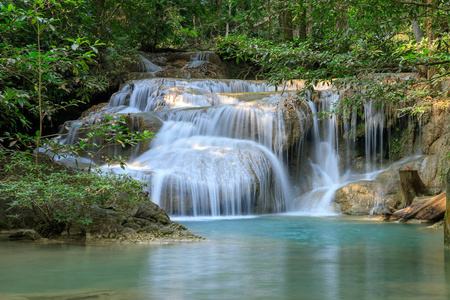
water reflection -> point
(262, 258)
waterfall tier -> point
(220, 148)
(231, 147)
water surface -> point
(271, 257)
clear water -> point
(272, 257)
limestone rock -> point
(146, 121)
(146, 222)
(360, 198)
(152, 212)
(101, 228)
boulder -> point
(144, 222)
(385, 194)
(103, 228)
(361, 198)
(152, 212)
(146, 121)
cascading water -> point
(198, 59)
(374, 126)
(146, 65)
(322, 164)
(220, 148)
(223, 145)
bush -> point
(60, 197)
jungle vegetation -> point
(59, 54)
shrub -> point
(60, 197)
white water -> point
(215, 155)
(219, 153)
(198, 59)
(322, 164)
(146, 65)
(374, 121)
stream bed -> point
(266, 257)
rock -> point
(141, 122)
(102, 228)
(297, 121)
(152, 212)
(93, 109)
(25, 234)
(76, 231)
(435, 134)
(129, 233)
(146, 223)
(132, 225)
(180, 63)
(360, 198)
(384, 194)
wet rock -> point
(102, 228)
(435, 133)
(144, 223)
(297, 121)
(146, 121)
(384, 194)
(360, 198)
(132, 225)
(94, 109)
(129, 233)
(152, 212)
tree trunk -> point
(227, 31)
(269, 19)
(303, 29)
(99, 9)
(447, 215)
(431, 37)
(342, 16)
(412, 186)
(418, 32)
(285, 20)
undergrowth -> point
(60, 197)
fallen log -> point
(429, 210)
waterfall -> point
(225, 147)
(147, 66)
(198, 58)
(221, 146)
(322, 164)
(374, 126)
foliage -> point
(38, 79)
(60, 197)
(356, 45)
(105, 131)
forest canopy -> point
(60, 53)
